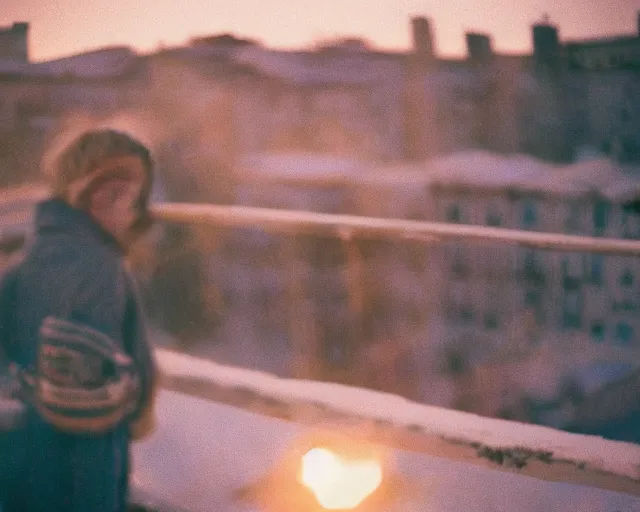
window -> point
(631, 219)
(529, 214)
(570, 280)
(572, 321)
(454, 214)
(466, 315)
(572, 223)
(490, 321)
(493, 219)
(624, 332)
(597, 331)
(458, 266)
(532, 268)
(600, 217)
(530, 260)
(572, 302)
(627, 231)
(623, 305)
(572, 315)
(597, 268)
(533, 301)
(532, 298)
(626, 279)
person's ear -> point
(99, 200)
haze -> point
(63, 27)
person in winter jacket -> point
(74, 268)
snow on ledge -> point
(622, 459)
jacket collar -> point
(57, 216)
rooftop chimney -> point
(14, 43)
(546, 45)
(21, 27)
(478, 48)
(422, 38)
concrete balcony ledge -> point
(523, 449)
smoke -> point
(183, 119)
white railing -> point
(346, 226)
(16, 206)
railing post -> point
(353, 277)
(303, 330)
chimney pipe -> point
(422, 38)
(546, 44)
(16, 42)
(478, 48)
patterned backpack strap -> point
(84, 382)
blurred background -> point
(545, 139)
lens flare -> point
(338, 483)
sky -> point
(65, 27)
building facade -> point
(502, 294)
(346, 98)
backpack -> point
(83, 383)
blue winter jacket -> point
(74, 269)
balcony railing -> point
(350, 229)
(346, 226)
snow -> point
(202, 452)
(300, 165)
(102, 63)
(478, 168)
(308, 68)
(473, 168)
(10, 66)
(95, 64)
(482, 168)
(402, 183)
(618, 458)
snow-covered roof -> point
(102, 63)
(400, 175)
(483, 169)
(96, 64)
(625, 39)
(310, 68)
(299, 165)
(475, 169)
(472, 168)
(12, 66)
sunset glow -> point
(337, 483)
(63, 27)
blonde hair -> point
(81, 157)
